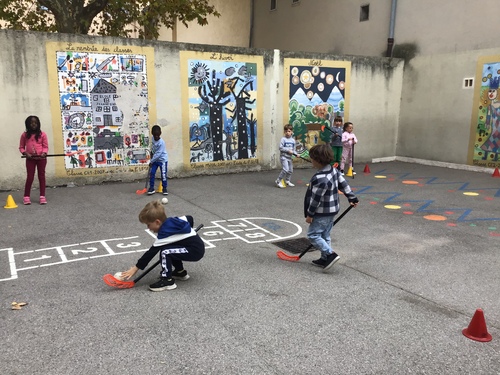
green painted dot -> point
(492, 228)
(473, 225)
(376, 199)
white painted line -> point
(40, 258)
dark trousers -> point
(172, 255)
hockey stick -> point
(301, 155)
(46, 156)
(142, 191)
(352, 159)
(294, 258)
(122, 284)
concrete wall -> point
(376, 85)
(436, 27)
(436, 110)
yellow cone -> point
(349, 172)
(10, 203)
(160, 188)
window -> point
(468, 83)
(364, 14)
(273, 4)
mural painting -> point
(102, 98)
(484, 148)
(221, 108)
(315, 92)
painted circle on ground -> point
(408, 182)
(380, 176)
(471, 194)
(392, 207)
(408, 212)
(435, 217)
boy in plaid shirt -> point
(321, 203)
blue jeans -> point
(319, 234)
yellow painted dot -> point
(380, 177)
(471, 193)
(435, 217)
(391, 207)
(407, 182)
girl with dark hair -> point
(34, 146)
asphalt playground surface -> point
(419, 255)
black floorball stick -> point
(121, 284)
(352, 159)
(46, 156)
(143, 191)
(293, 258)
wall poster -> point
(222, 97)
(484, 144)
(103, 98)
(315, 92)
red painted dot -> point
(408, 212)
(452, 224)
(373, 202)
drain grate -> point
(295, 246)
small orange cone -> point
(10, 203)
(496, 173)
(367, 169)
(477, 328)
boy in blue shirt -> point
(321, 203)
(158, 160)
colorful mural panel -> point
(221, 108)
(316, 92)
(484, 147)
(102, 98)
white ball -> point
(118, 275)
(164, 200)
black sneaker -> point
(319, 262)
(331, 259)
(151, 191)
(180, 275)
(163, 284)
(165, 192)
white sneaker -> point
(280, 184)
(353, 173)
(290, 184)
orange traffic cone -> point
(367, 169)
(496, 173)
(477, 328)
(10, 203)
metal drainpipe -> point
(252, 9)
(390, 40)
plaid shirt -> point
(322, 196)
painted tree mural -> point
(222, 109)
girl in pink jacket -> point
(34, 146)
(348, 142)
